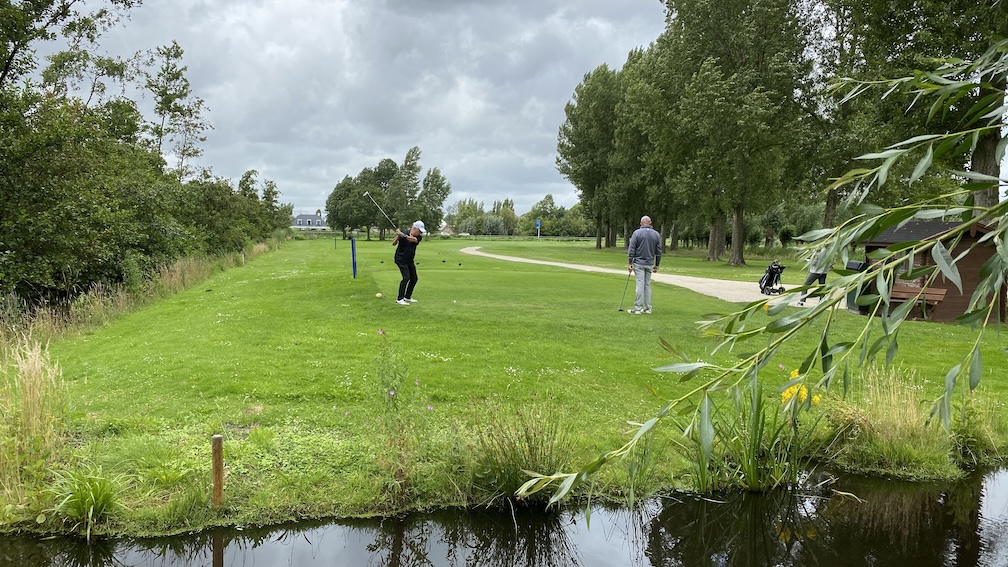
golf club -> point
(368, 195)
(624, 291)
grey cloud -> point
(307, 92)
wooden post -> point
(218, 549)
(217, 442)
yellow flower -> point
(801, 391)
(816, 399)
(766, 307)
(794, 373)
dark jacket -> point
(645, 247)
(406, 250)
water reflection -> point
(888, 523)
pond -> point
(847, 522)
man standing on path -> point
(644, 255)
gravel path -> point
(736, 292)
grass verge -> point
(292, 358)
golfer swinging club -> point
(404, 255)
(644, 255)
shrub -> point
(514, 441)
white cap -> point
(419, 225)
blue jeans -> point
(643, 297)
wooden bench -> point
(927, 298)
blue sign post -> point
(538, 221)
(353, 255)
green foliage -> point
(881, 427)
(86, 497)
(514, 442)
(287, 345)
(87, 199)
(829, 361)
(32, 411)
(397, 189)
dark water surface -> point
(887, 524)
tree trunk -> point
(627, 231)
(984, 157)
(738, 237)
(598, 227)
(829, 215)
(674, 238)
(716, 242)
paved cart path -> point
(736, 292)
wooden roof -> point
(913, 231)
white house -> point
(309, 222)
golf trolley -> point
(770, 284)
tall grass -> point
(86, 497)
(32, 410)
(516, 440)
(758, 445)
(885, 427)
(102, 303)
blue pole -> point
(353, 255)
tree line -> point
(469, 216)
(396, 188)
(93, 191)
(730, 123)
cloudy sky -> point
(309, 91)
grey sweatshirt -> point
(645, 247)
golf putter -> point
(624, 291)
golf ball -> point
(379, 295)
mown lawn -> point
(293, 360)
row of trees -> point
(88, 194)
(470, 217)
(731, 113)
(396, 188)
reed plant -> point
(886, 429)
(32, 412)
(757, 445)
(514, 441)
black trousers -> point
(409, 279)
(821, 278)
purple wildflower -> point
(391, 393)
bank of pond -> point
(845, 521)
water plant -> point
(514, 440)
(86, 497)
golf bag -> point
(769, 284)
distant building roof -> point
(311, 221)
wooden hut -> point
(943, 302)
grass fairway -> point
(283, 357)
